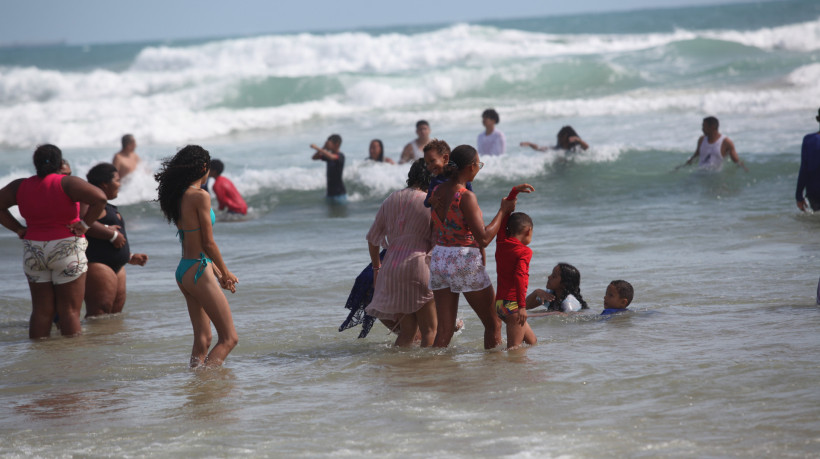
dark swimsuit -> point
(186, 263)
(103, 251)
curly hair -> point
(570, 285)
(176, 174)
(440, 147)
(48, 159)
(419, 176)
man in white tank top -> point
(713, 147)
(415, 149)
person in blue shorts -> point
(618, 297)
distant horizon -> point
(86, 27)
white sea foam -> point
(174, 94)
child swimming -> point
(512, 257)
(618, 297)
(563, 292)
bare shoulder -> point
(8, 193)
(199, 196)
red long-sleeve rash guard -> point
(512, 260)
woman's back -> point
(404, 220)
(450, 225)
(46, 207)
(195, 216)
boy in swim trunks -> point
(512, 257)
(618, 296)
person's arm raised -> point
(475, 220)
(580, 141)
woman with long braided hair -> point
(201, 271)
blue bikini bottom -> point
(186, 263)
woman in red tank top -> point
(456, 264)
(54, 258)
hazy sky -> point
(95, 21)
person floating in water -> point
(567, 140)
(563, 292)
(127, 159)
(335, 160)
(618, 297)
(713, 147)
(226, 193)
(808, 179)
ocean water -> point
(718, 359)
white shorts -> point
(457, 268)
(59, 261)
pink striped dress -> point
(402, 226)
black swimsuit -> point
(102, 251)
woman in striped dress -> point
(402, 294)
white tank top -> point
(710, 155)
(417, 152)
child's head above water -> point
(619, 295)
(565, 280)
(519, 226)
(436, 156)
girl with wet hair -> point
(201, 271)
(563, 292)
(567, 139)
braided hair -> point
(570, 285)
(176, 174)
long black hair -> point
(570, 285)
(461, 157)
(381, 151)
(176, 174)
(48, 159)
(567, 132)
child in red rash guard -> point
(512, 257)
(225, 192)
